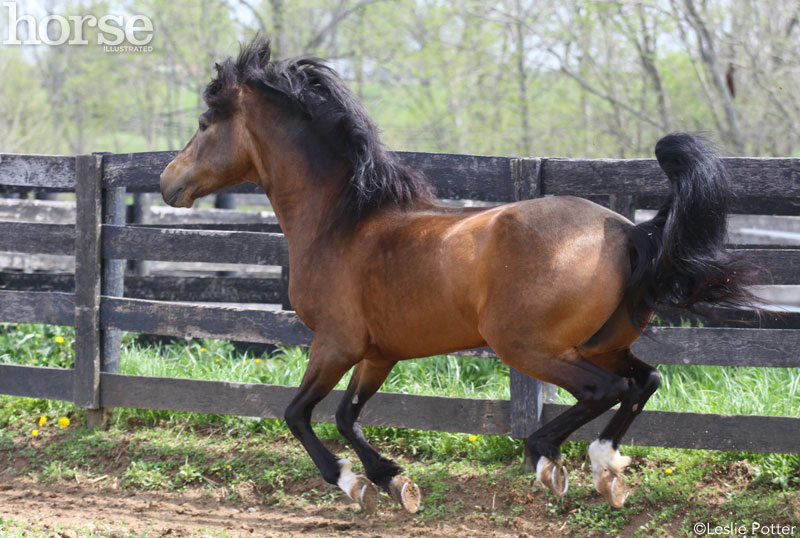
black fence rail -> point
(100, 300)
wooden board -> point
(652, 428)
(135, 243)
(489, 178)
(160, 288)
(211, 289)
(779, 266)
(37, 307)
(749, 177)
(749, 433)
(53, 212)
(165, 215)
(36, 382)
(464, 177)
(137, 172)
(196, 321)
(720, 347)
(240, 227)
(269, 401)
(34, 238)
(473, 177)
(51, 171)
(749, 206)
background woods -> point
(523, 77)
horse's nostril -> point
(174, 195)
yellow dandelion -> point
(42, 420)
(668, 470)
(203, 350)
(35, 433)
(59, 339)
(63, 422)
(258, 360)
(227, 466)
(217, 360)
(473, 438)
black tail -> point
(679, 257)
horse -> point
(558, 287)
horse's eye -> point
(203, 124)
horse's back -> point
(434, 281)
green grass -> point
(178, 450)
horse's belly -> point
(422, 330)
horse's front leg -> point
(367, 378)
(328, 362)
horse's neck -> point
(304, 208)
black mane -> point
(337, 117)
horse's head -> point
(284, 124)
(220, 154)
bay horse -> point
(558, 287)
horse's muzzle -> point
(173, 189)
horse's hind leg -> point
(607, 463)
(367, 378)
(596, 390)
(326, 366)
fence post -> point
(624, 204)
(527, 394)
(139, 212)
(88, 203)
(225, 200)
(285, 303)
(114, 211)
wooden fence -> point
(99, 305)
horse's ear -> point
(260, 46)
(264, 53)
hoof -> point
(406, 492)
(612, 487)
(365, 494)
(607, 468)
(553, 476)
(358, 487)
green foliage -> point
(37, 345)
(145, 475)
(586, 80)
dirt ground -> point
(98, 505)
(62, 508)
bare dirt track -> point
(69, 509)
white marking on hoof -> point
(346, 475)
(357, 487)
(406, 492)
(607, 467)
(540, 465)
(605, 456)
(550, 474)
